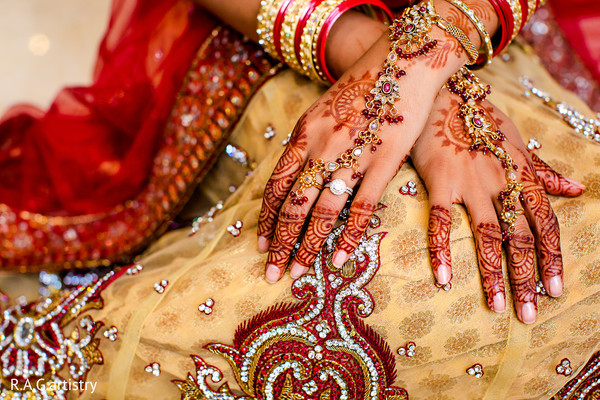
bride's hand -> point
(328, 129)
(453, 174)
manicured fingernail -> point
(339, 258)
(443, 274)
(555, 286)
(297, 270)
(499, 302)
(263, 244)
(528, 313)
(273, 274)
(574, 182)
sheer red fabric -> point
(94, 147)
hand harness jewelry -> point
(468, 87)
(409, 37)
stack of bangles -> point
(296, 31)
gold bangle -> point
(310, 34)
(266, 23)
(486, 41)
(459, 35)
(531, 7)
(288, 33)
(515, 6)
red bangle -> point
(277, 27)
(507, 23)
(333, 17)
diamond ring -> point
(338, 187)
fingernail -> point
(528, 313)
(273, 274)
(297, 270)
(574, 182)
(555, 286)
(443, 274)
(499, 303)
(339, 258)
(263, 244)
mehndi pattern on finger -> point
(485, 138)
(438, 237)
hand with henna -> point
(328, 129)
(332, 125)
(454, 174)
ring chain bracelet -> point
(467, 86)
(380, 102)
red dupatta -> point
(94, 147)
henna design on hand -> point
(548, 231)
(438, 237)
(319, 227)
(489, 251)
(287, 170)
(346, 103)
(289, 226)
(553, 182)
(521, 250)
(358, 221)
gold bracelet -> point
(266, 23)
(515, 6)
(459, 35)
(486, 41)
(531, 7)
(288, 33)
(310, 34)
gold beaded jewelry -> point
(468, 87)
(531, 7)
(486, 41)
(310, 33)
(266, 23)
(515, 6)
(463, 39)
(288, 33)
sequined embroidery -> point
(586, 385)
(38, 359)
(319, 348)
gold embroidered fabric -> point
(453, 330)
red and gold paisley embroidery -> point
(318, 348)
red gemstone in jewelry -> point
(408, 28)
(387, 88)
(477, 122)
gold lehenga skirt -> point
(452, 330)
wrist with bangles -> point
(296, 31)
